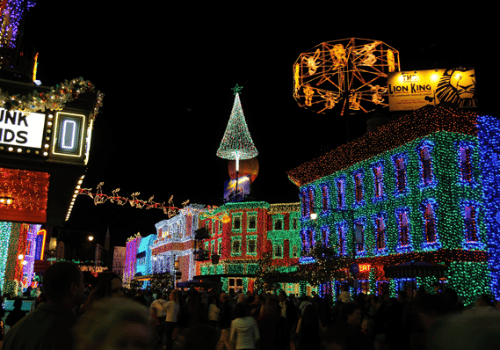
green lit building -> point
(415, 202)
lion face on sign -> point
(457, 88)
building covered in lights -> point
(176, 242)
(240, 233)
(423, 191)
(45, 138)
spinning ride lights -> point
(353, 70)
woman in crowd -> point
(308, 329)
(244, 332)
(346, 333)
(114, 323)
(172, 309)
(108, 285)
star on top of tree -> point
(237, 89)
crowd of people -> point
(70, 317)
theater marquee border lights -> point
(354, 69)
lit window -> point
(465, 155)
(426, 163)
(358, 180)
(378, 181)
(325, 194)
(400, 174)
(430, 224)
(324, 236)
(470, 224)
(380, 232)
(295, 252)
(360, 237)
(404, 229)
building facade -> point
(241, 233)
(175, 242)
(423, 188)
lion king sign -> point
(415, 89)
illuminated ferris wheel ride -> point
(338, 72)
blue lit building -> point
(417, 201)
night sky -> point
(167, 69)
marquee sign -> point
(18, 129)
(413, 90)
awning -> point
(412, 269)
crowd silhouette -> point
(71, 316)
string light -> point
(433, 161)
(356, 68)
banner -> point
(413, 90)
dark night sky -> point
(167, 69)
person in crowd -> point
(172, 309)
(346, 332)
(473, 329)
(213, 312)
(244, 332)
(114, 323)
(308, 329)
(49, 326)
(17, 314)
(108, 285)
(158, 312)
(140, 297)
(396, 335)
(224, 322)
(345, 295)
(273, 330)
(197, 333)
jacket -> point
(244, 333)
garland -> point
(55, 99)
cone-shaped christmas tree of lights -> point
(237, 143)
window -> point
(324, 197)
(235, 284)
(311, 200)
(278, 251)
(214, 227)
(400, 166)
(304, 204)
(430, 224)
(380, 232)
(340, 184)
(324, 236)
(295, 252)
(359, 237)
(378, 180)
(252, 245)
(294, 223)
(278, 224)
(465, 156)
(470, 223)
(237, 222)
(219, 246)
(426, 164)
(358, 180)
(252, 222)
(403, 229)
(342, 243)
(221, 225)
(236, 247)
